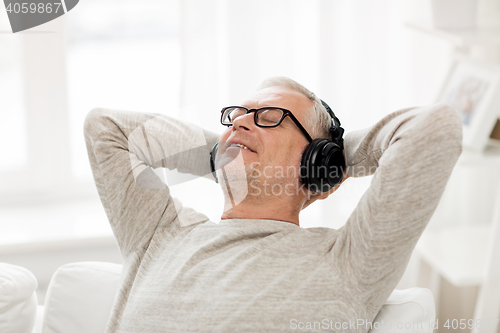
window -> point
(13, 125)
(121, 55)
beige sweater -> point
(184, 273)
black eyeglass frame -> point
(283, 116)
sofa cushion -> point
(80, 297)
(18, 301)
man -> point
(257, 270)
(266, 176)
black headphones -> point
(322, 165)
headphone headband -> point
(330, 112)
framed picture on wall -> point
(472, 88)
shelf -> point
(58, 244)
(489, 157)
(64, 225)
(458, 254)
(461, 37)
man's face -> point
(275, 153)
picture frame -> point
(472, 88)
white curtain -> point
(229, 47)
(356, 55)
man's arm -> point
(123, 147)
(411, 154)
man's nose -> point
(244, 122)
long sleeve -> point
(123, 147)
(411, 154)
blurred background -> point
(190, 58)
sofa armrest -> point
(18, 301)
(80, 297)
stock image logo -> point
(24, 15)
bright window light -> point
(121, 55)
(13, 141)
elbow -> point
(91, 122)
(449, 127)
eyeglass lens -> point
(265, 117)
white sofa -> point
(80, 297)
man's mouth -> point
(242, 146)
(228, 151)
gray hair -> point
(320, 122)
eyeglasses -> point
(263, 117)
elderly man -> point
(257, 270)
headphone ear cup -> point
(322, 165)
(335, 162)
(213, 154)
(306, 165)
